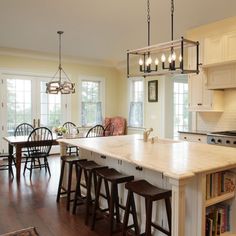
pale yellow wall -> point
(217, 27)
(156, 114)
(74, 70)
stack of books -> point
(217, 219)
(219, 183)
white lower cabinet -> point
(190, 137)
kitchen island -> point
(179, 166)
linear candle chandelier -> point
(175, 51)
(60, 82)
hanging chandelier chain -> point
(172, 19)
(148, 20)
(148, 11)
(172, 7)
(60, 33)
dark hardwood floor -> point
(33, 203)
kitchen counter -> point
(176, 165)
(201, 132)
(174, 159)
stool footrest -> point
(160, 228)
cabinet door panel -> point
(213, 50)
(230, 46)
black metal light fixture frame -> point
(60, 82)
(174, 66)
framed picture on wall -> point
(153, 91)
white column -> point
(178, 207)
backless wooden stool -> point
(115, 178)
(151, 193)
(88, 168)
(72, 162)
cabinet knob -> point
(185, 137)
(139, 168)
(199, 139)
(199, 104)
(103, 157)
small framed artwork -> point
(153, 91)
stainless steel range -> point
(223, 138)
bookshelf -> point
(228, 234)
(220, 191)
(218, 199)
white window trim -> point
(4, 72)
(102, 93)
(131, 80)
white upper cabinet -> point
(230, 46)
(213, 52)
(220, 48)
(202, 99)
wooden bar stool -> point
(151, 193)
(87, 168)
(113, 177)
(72, 161)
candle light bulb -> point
(170, 59)
(173, 56)
(149, 61)
(156, 61)
(180, 58)
(163, 57)
(140, 62)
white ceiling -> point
(100, 29)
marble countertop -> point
(201, 132)
(174, 159)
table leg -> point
(18, 162)
(10, 150)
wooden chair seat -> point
(114, 176)
(145, 189)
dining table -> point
(20, 142)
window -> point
(136, 102)
(51, 112)
(91, 98)
(19, 105)
(181, 114)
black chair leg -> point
(47, 165)
(10, 166)
(148, 217)
(69, 187)
(60, 181)
(126, 215)
(111, 208)
(168, 212)
(77, 190)
(31, 167)
(96, 203)
(89, 197)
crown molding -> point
(53, 57)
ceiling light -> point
(60, 82)
(173, 55)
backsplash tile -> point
(214, 121)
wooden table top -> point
(176, 159)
